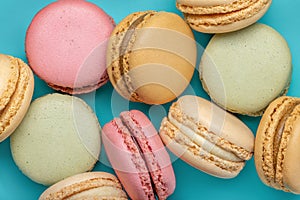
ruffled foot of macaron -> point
(220, 16)
(277, 149)
(16, 90)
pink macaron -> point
(138, 156)
(66, 45)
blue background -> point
(15, 16)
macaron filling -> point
(152, 164)
(124, 49)
(204, 143)
(137, 158)
(149, 169)
(194, 8)
(273, 169)
(228, 18)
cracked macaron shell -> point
(160, 42)
(142, 164)
(17, 84)
(207, 137)
(90, 185)
(222, 16)
(276, 147)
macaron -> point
(244, 71)
(151, 57)
(16, 90)
(66, 45)
(138, 156)
(220, 16)
(207, 137)
(59, 137)
(277, 151)
(89, 185)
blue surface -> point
(15, 16)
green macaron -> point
(59, 137)
(245, 70)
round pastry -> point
(245, 70)
(220, 16)
(207, 137)
(16, 90)
(59, 137)
(90, 185)
(151, 57)
(277, 152)
(66, 45)
(138, 156)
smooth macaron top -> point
(16, 90)
(66, 45)
(245, 70)
(58, 137)
(277, 154)
(90, 185)
(147, 52)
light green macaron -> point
(59, 137)
(245, 70)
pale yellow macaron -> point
(245, 70)
(207, 137)
(220, 16)
(277, 149)
(59, 137)
(16, 90)
(90, 185)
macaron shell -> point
(154, 153)
(264, 149)
(18, 105)
(85, 186)
(189, 154)
(224, 26)
(8, 79)
(126, 160)
(214, 7)
(205, 3)
(114, 55)
(291, 159)
(217, 120)
(253, 69)
(164, 35)
(62, 52)
(59, 137)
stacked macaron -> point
(150, 57)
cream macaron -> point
(207, 137)
(277, 149)
(90, 185)
(16, 90)
(220, 16)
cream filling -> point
(203, 143)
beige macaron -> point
(90, 185)
(207, 137)
(277, 149)
(151, 57)
(16, 90)
(220, 16)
